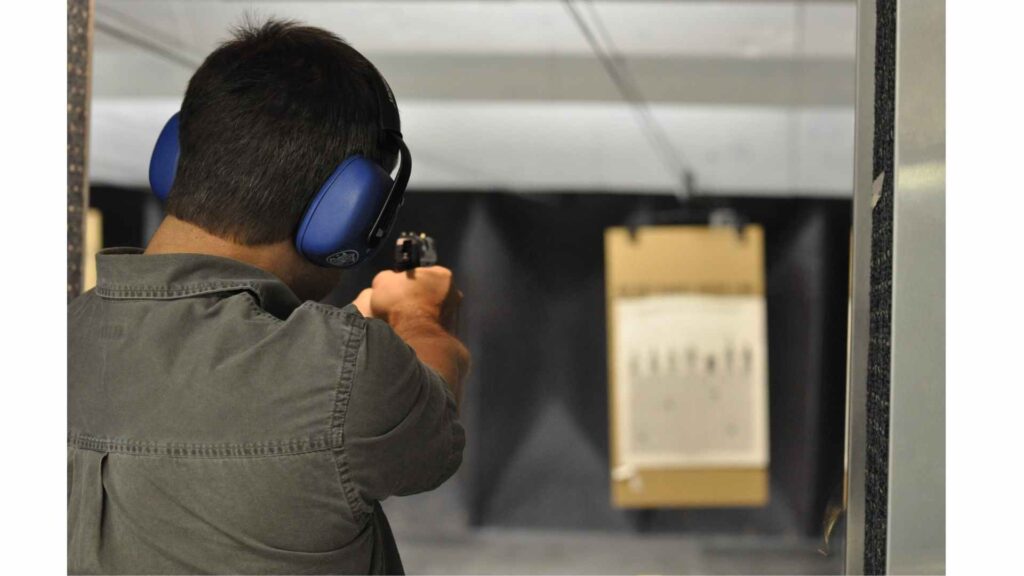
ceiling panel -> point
(755, 97)
(702, 28)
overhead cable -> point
(615, 66)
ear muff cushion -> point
(164, 161)
(333, 231)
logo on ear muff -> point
(344, 258)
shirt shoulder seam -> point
(115, 290)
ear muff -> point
(164, 161)
(335, 231)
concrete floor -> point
(434, 538)
(502, 551)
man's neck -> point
(176, 236)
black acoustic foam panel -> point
(876, 487)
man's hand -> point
(421, 305)
(420, 294)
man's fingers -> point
(362, 302)
(428, 289)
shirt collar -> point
(126, 273)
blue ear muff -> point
(164, 161)
(334, 230)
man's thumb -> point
(362, 302)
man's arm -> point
(421, 306)
(434, 346)
(402, 430)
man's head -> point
(266, 119)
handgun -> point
(414, 250)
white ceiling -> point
(754, 97)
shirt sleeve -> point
(401, 433)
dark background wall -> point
(536, 411)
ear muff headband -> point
(396, 197)
(387, 109)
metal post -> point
(860, 309)
(896, 392)
(79, 67)
(917, 422)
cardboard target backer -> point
(688, 379)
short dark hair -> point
(266, 119)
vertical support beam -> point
(80, 20)
(896, 392)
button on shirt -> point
(216, 424)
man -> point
(219, 418)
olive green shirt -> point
(216, 424)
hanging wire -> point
(615, 66)
(142, 42)
(123, 27)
